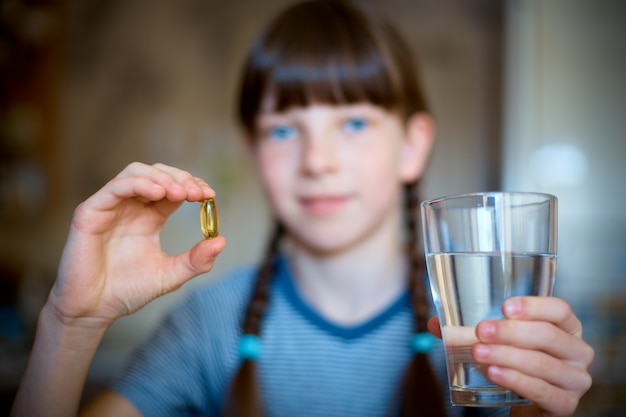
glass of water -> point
(481, 249)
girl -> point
(340, 134)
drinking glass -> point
(481, 249)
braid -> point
(421, 392)
(260, 295)
(417, 287)
(243, 399)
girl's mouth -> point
(323, 205)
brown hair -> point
(334, 52)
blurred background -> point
(527, 94)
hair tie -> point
(422, 342)
(249, 346)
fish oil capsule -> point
(209, 221)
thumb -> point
(197, 260)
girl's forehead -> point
(326, 110)
(302, 93)
(273, 102)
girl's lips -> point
(322, 205)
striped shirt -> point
(309, 367)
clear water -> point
(470, 287)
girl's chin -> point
(329, 243)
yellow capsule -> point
(209, 222)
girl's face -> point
(333, 173)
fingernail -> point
(512, 308)
(486, 330)
(481, 351)
(494, 371)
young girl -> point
(340, 134)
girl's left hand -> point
(538, 353)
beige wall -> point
(566, 134)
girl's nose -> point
(319, 155)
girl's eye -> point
(282, 132)
(355, 124)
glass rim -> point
(433, 201)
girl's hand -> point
(538, 353)
(113, 263)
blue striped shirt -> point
(309, 366)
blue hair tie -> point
(422, 342)
(249, 346)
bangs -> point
(326, 53)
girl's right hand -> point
(113, 264)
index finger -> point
(179, 184)
(549, 309)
